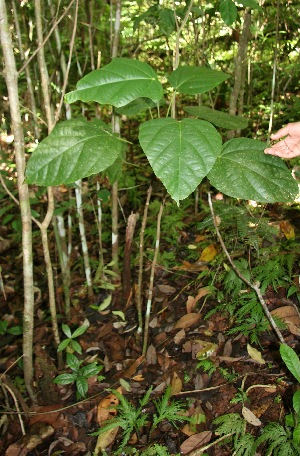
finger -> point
(282, 132)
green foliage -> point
(181, 153)
(70, 344)
(279, 441)
(132, 419)
(72, 151)
(80, 375)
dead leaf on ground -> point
(287, 229)
(250, 417)
(187, 321)
(106, 407)
(179, 337)
(290, 316)
(166, 289)
(105, 440)
(255, 355)
(176, 384)
(192, 301)
(195, 441)
(151, 357)
(208, 254)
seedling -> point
(80, 375)
(70, 344)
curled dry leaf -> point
(179, 337)
(192, 301)
(195, 441)
(187, 321)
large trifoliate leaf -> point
(118, 83)
(192, 80)
(243, 171)
(181, 153)
(74, 149)
(218, 118)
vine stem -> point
(254, 286)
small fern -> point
(280, 441)
(231, 424)
(245, 445)
(170, 411)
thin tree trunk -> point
(237, 94)
(11, 78)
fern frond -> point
(279, 439)
(231, 423)
(245, 446)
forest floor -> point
(242, 381)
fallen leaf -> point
(208, 254)
(290, 316)
(250, 417)
(106, 407)
(105, 439)
(166, 289)
(176, 384)
(179, 337)
(287, 229)
(151, 355)
(192, 301)
(187, 321)
(255, 355)
(195, 441)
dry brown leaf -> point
(250, 417)
(287, 229)
(255, 355)
(106, 408)
(151, 355)
(192, 301)
(290, 316)
(128, 373)
(105, 439)
(176, 384)
(179, 336)
(187, 321)
(195, 441)
(208, 254)
(166, 289)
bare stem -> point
(254, 286)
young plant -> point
(80, 375)
(132, 419)
(70, 344)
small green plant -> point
(70, 344)
(284, 440)
(15, 330)
(80, 375)
(233, 426)
(132, 419)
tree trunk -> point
(11, 78)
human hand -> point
(289, 147)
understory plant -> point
(132, 419)
(277, 439)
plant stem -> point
(131, 222)
(254, 286)
(151, 282)
(141, 261)
(11, 79)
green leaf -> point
(82, 386)
(15, 330)
(296, 402)
(75, 149)
(296, 435)
(118, 83)
(250, 4)
(191, 80)
(167, 24)
(66, 330)
(114, 171)
(79, 331)
(242, 170)
(136, 106)
(90, 369)
(181, 153)
(65, 379)
(63, 345)
(75, 346)
(73, 362)
(228, 11)
(291, 360)
(218, 118)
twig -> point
(4, 385)
(151, 283)
(47, 37)
(254, 286)
(141, 261)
